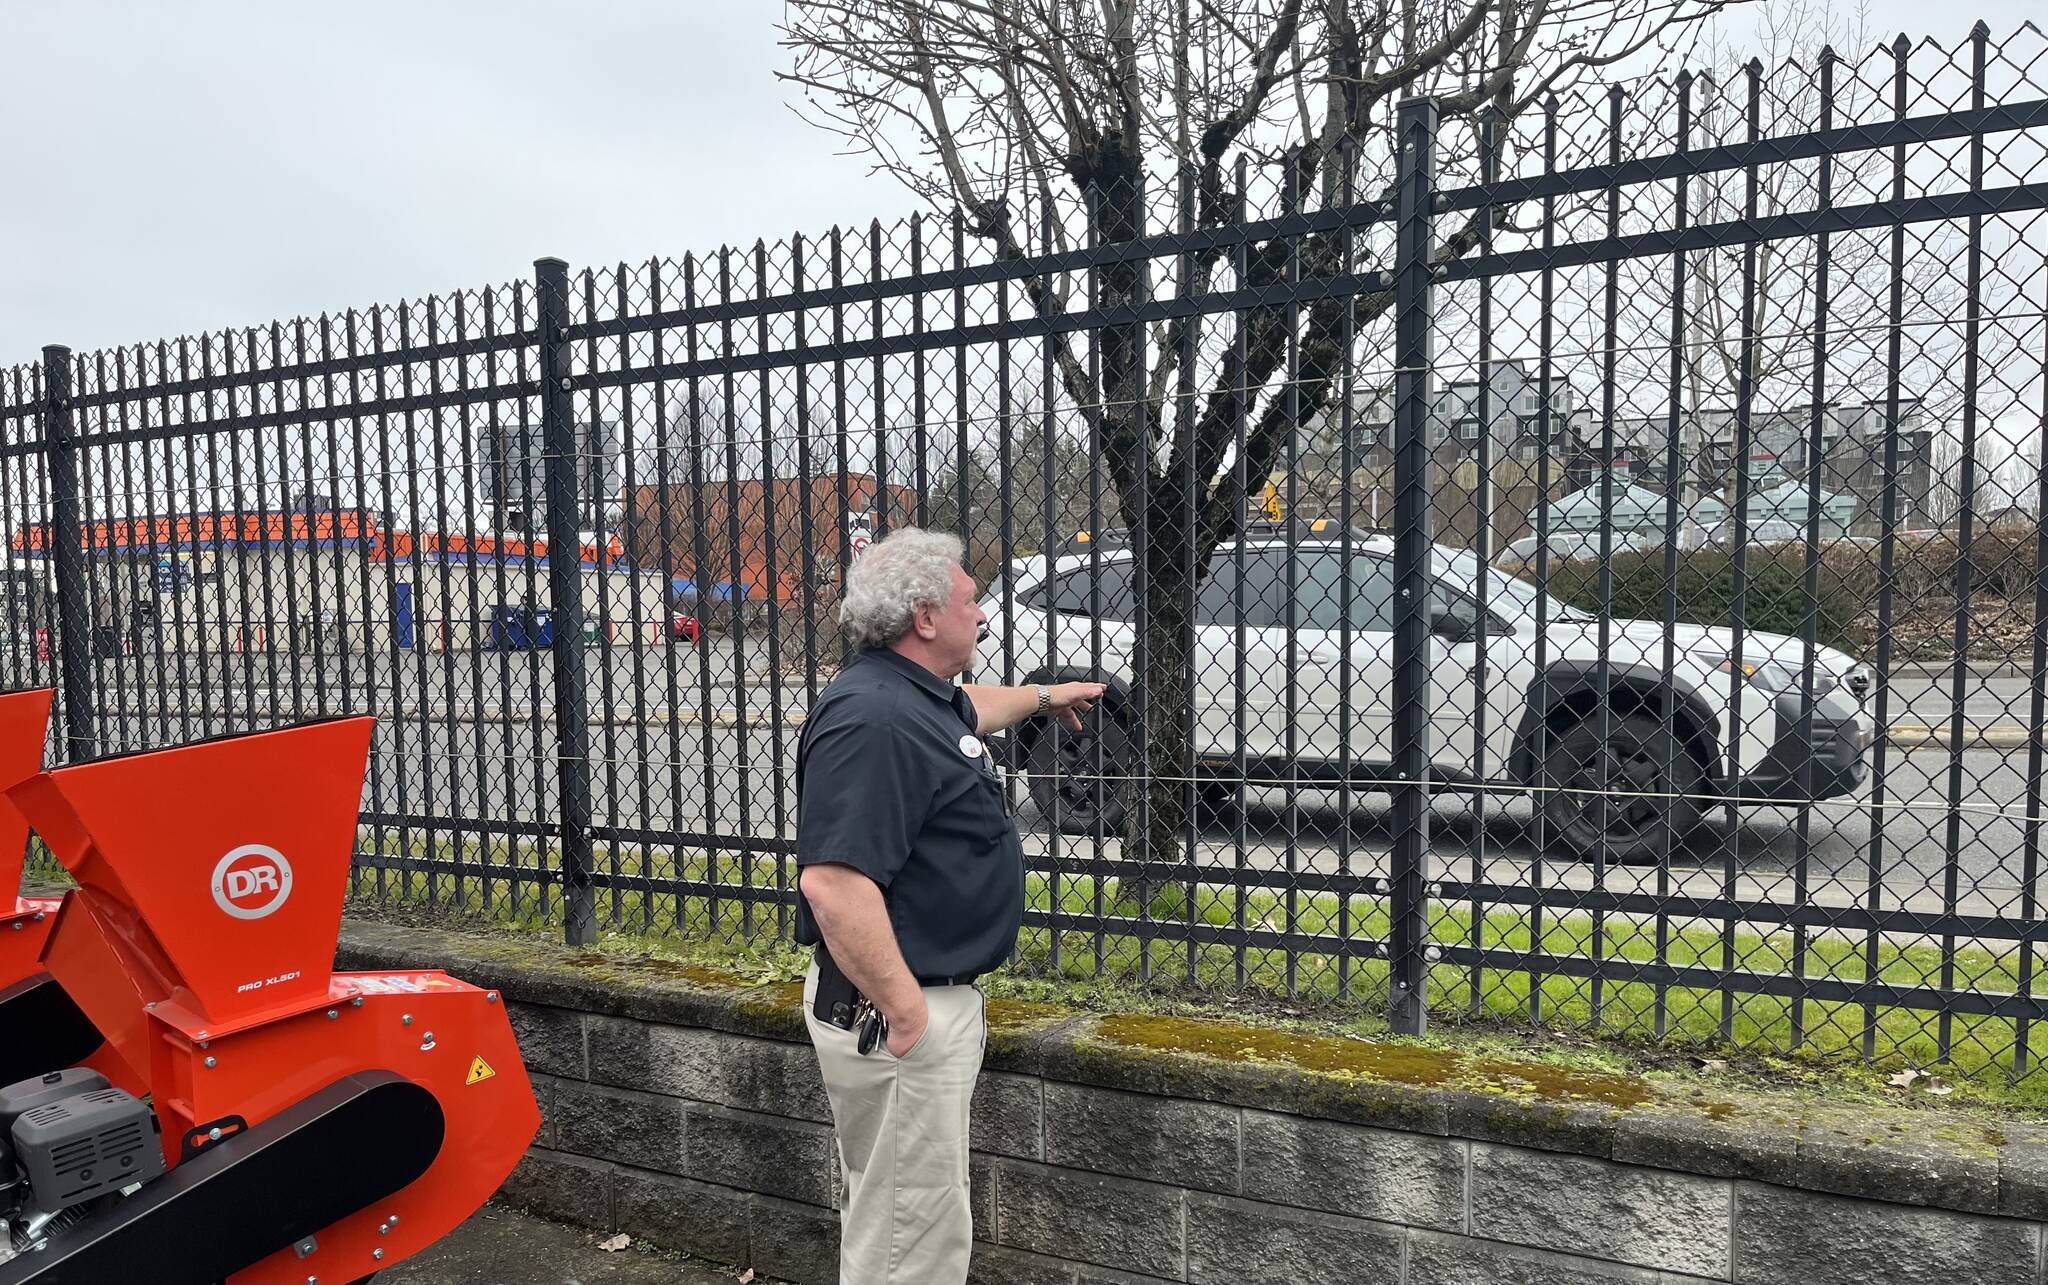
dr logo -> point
(252, 881)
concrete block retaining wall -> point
(689, 1113)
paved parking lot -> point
(471, 736)
(728, 780)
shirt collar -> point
(932, 684)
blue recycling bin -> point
(521, 629)
(508, 628)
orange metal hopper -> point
(200, 941)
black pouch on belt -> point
(837, 1002)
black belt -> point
(830, 977)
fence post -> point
(565, 588)
(1408, 909)
(74, 628)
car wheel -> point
(1629, 799)
(1064, 781)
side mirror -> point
(1452, 628)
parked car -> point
(1688, 716)
(1584, 546)
(686, 627)
(1774, 533)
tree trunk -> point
(1164, 751)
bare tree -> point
(1068, 115)
(1776, 310)
(1755, 321)
(1040, 484)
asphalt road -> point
(725, 674)
(471, 735)
(723, 778)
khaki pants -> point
(901, 1126)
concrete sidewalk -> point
(501, 1246)
(1988, 736)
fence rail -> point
(1581, 568)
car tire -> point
(1629, 799)
(1063, 778)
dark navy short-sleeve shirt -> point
(893, 781)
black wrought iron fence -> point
(1581, 567)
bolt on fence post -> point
(565, 589)
(1408, 909)
(74, 630)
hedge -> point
(2002, 591)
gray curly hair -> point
(907, 569)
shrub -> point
(1844, 605)
(1774, 597)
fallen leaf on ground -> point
(1940, 1088)
(1904, 1079)
(615, 1244)
(746, 1276)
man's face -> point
(955, 628)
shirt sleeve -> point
(863, 802)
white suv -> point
(1620, 779)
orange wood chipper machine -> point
(219, 1104)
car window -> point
(1507, 594)
(1266, 589)
(1372, 598)
(1215, 605)
(1076, 593)
(1372, 593)
(1318, 590)
(1447, 603)
(1217, 602)
(1071, 594)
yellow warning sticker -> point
(479, 1071)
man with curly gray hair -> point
(912, 887)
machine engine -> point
(70, 1144)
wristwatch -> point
(1044, 700)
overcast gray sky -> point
(179, 167)
(174, 167)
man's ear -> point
(921, 621)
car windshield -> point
(1506, 593)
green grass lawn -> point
(1130, 958)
